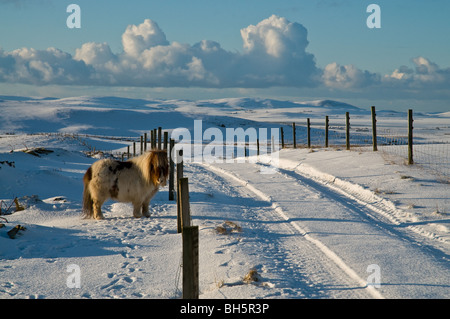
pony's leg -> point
(98, 210)
(146, 203)
(145, 209)
(137, 210)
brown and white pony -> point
(136, 180)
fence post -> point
(282, 137)
(326, 130)
(159, 138)
(154, 138)
(190, 245)
(374, 129)
(142, 145)
(179, 176)
(347, 130)
(184, 200)
(145, 142)
(410, 137)
(166, 139)
(190, 263)
(134, 149)
(171, 171)
(308, 131)
(293, 134)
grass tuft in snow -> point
(37, 151)
(251, 277)
(228, 227)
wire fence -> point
(430, 147)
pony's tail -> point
(88, 203)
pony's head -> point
(159, 167)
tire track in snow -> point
(304, 233)
(283, 271)
(382, 207)
(349, 232)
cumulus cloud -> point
(274, 54)
(96, 54)
(276, 37)
(426, 74)
(348, 77)
(51, 66)
(137, 39)
(426, 79)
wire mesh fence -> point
(430, 151)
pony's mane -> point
(152, 164)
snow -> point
(316, 227)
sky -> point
(200, 49)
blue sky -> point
(296, 50)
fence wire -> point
(428, 153)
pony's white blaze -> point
(135, 181)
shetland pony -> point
(136, 180)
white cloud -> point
(97, 54)
(347, 77)
(426, 74)
(136, 39)
(424, 80)
(275, 36)
(51, 66)
(274, 55)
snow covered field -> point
(326, 223)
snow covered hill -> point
(326, 223)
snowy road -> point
(335, 242)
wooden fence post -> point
(166, 140)
(282, 137)
(145, 142)
(308, 131)
(347, 130)
(293, 135)
(171, 171)
(374, 129)
(184, 200)
(159, 138)
(134, 149)
(179, 176)
(410, 137)
(326, 130)
(190, 263)
(142, 145)
(190, 245)
(154, 138)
